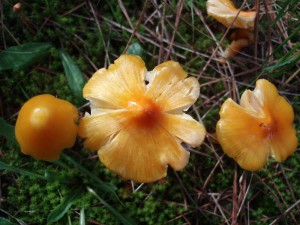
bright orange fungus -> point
(145, 113)
(262, 125)
(240, 38)
(45, 126)
(226, 13)
(137, 128)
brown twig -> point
(285, 213)
(234, 211)
(257, 4)
(177, 20)
(75, 8)
(161, 36)
(107, 61)
(136, 26)
(128, 18)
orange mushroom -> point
(45, 126)
(225, 12)
(240, 38)
(18, 8)
(262, 125)
(137, 128)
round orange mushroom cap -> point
(261, 126)
(45, 126)
(225, 12)
(137, 128)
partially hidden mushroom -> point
(137, 121)
(240, 38)
(225, 12)
(45, 126)
(261, 126)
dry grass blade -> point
(137, 25)
(178, 15)
(128, 18)
(95, 15)
(285, 213)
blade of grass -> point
(190, 3)
(282, 60)
(4, 221)
(5, 166)
(51, 177)
(281, 63)
(286, 59)
(117, 215)
(74, 76)
(65, 205)
(22, 56)
(287, 5)
(294, 33)
(82, 217)
(69, 220)
(102, 185)
(8, 131)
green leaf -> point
(4, 221)
(63, 207)
(8, 131)
(135, 49)
(23, 55)
(5, 166)
(116, 214)
(75, 78)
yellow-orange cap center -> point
(144, 112)
(268, 127)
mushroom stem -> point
(241, 38)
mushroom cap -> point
(18, 7)
(225, 12)
(137, 128)
(45, 126)
(262, 125)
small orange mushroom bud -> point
(225, 12)
(262, 125)
(45, 126)
(137, 128)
